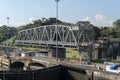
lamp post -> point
(57, 29)
(57, 11)
(7, 52)
(8, 21)
(8, 18)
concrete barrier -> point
(60, 72)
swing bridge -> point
(56, 36)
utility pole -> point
(8, 21)
(7, 52)
(57, 29)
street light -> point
(57, 11)
(57, 29)
(8, 56)
(8, 21)
(8, 18)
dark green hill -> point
(42, 22)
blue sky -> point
(98, 12)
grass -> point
(34, 49)
(116, 61)
(75, 55)
(9, 42)
(72, 53)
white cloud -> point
(100, 17)
(31, 19)
(86, 19)
(99, 20)
(103, 20)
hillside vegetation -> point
(7, 34)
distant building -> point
(33, 54)
(106, 48)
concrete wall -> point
(61, 52)
(16, 75)
(87, 73)
(72, 73)
(100, 75)
(53, 73)
(60, 72)
(106, 50)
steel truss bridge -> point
(52, 35)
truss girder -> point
(46, 35)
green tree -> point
(85, 23)
(115, 31)
(117, 23)
(42, 22)
(7, 32)
(96, 32)
(105, 31)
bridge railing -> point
(39, 43)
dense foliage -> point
(111, 32)
(7, 32)
(42, 22)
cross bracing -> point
(67, 36)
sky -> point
(98, 12)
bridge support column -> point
(61, 52)
(9, 66)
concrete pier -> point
(61, 52)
